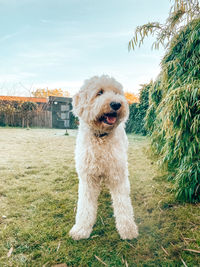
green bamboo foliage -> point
(136, 121)
(173, 117)
(181, 13)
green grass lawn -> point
(38, 195)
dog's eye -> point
(100, 92)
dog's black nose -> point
(115, 105)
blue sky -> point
(60, 43)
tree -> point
(181, 13)
(46, 92)
(131, 98)
(27, 112)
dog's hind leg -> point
(123, 209)
(86, 210)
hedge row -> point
(136, 121)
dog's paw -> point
(128, 231)
(78, 232)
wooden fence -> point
(42, 119)
(38, 118)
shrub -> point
(74, 122)
(135, 123)
(131, 125)
(14, 113)
(174, 112)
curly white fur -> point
(101, 155)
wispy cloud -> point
(48, 55)
(7, 37)
(100, 35)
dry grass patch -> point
(38, 195)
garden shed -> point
(61, 115)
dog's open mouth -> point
(109, 118)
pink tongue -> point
(111, 120)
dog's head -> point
(101, 103)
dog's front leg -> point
(123, 209)
(86, 210)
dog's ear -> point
(77, 107)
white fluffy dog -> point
(101, 155)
